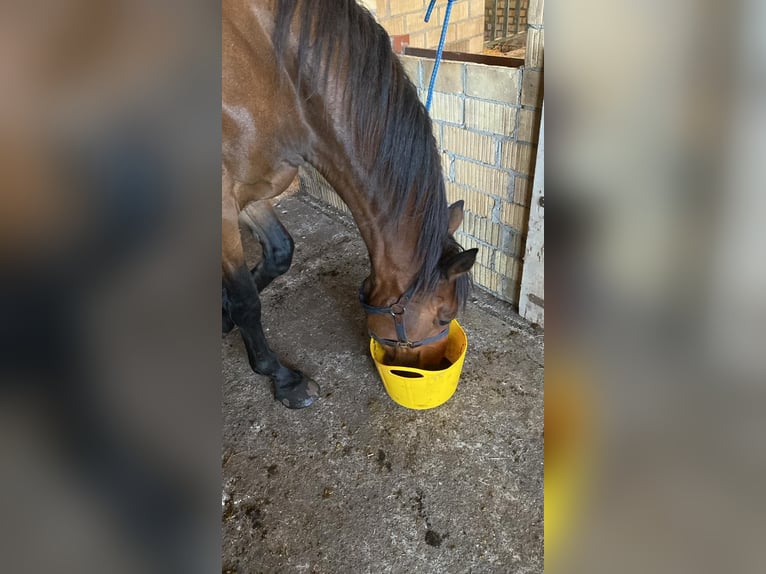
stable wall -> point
(486, 130)
(400, 17)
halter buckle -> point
(397, 309)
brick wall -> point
(487, 132)
(465, 32)
(494, 18)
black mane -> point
(390, 129)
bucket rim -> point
(424, 374)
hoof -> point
(298, 396)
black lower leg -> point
(291, 387)
(227, 323)
(277, 253)
(276, 243)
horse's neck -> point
(391, 254)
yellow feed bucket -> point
(419, 389)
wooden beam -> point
(466, 57)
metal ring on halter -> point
(397, 311)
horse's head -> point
(413, 328)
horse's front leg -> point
(276, 243)
(292, 388)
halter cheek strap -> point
(397, 311)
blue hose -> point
(439, 50)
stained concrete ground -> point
(357, 484)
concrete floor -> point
(356, 483)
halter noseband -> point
(397, 311)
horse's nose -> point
(402, 357)
(431, 357)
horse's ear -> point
(455, 216)
(459, 264)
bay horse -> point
(316, 82)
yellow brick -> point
(381, 9)
(476, 44)
(482, 229)
(508, 265)
(404, 6)
(521, 191)
(449, 79)
(447, 108)
(486, 179)
(484, 256)
(532, 89)
(475, 201)
(529, 126)
(436, 127)
(418, 41)
(454, 192)
(433, 35)
(492, 83)
(412, 67)
(489, 117)
(394, 26)
(415, 23)
(469, 144)
(494, 282)
(535, 48)
(486, 278)
(479, 273)
(516, 216)
(503, 264)
(459, 46)
(478, 203)
(469, 225)
(518, 157)
(459, 12)
(469, 28)
(446, 160)
(476, 7)
(511, 291)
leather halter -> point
(397, 311)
